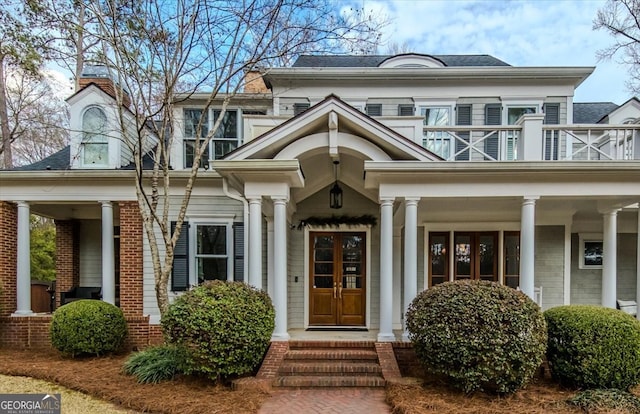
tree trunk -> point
(4, 120)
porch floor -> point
(338, 335)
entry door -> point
(337, 278)
(476, 256)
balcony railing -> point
(534, 142)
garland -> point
(336, 221)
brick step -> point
(320, 354)
(300, 344)
(341, 368)
(304, 381)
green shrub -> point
(593, 347)
(478, 335)
(88, 327)
(603, 400)
(225, 327)
(156, 364)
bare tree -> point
(38, 118)
(22, 47)
(395, 48)
(621, 19)
(162, 52)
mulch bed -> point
(104, 379)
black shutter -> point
(463, 117)
(299, 108)
(373, 109)
(238, 252)
(180, 270)
(405, 110)
(492, 116)
(552, 138)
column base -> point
(386, 337)
(405, 337)
(23, 313)
(280, 336)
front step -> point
(330, 364)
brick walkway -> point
(327, 401)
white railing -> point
(554, 142)
(591, 142)
(473, 143)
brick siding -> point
(67, 257)
(8, 260)
(131, 260)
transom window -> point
(438, 142)
(225, 139)
(95, 142)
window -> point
(513, 114)
(405, 110)
(299, 108)
(225, 139)
(211, 252)
(95, 142)
(512, 259)
(591, 248)
(438, 142)
(374, 109)
(476, 256)
(438, 258)
(207, 249)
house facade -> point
(343, 186)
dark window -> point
(299, 108)
(406, 110)
(374, 109)
(463, 117)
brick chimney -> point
(253, 83)
(99, 75)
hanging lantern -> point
(335, 194)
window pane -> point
(229, 126)
(191, 119)
(222, 148)
(189, 152)
(593, 253)
(323, 269)
(212, 240)
(463, 256)
(436, 116)
(94, 125)
(95, 154)
(438, 255)
(323, 241)
(487, 252)
(514, 113)
(324, 255)
(512, 255)
(211, 268)
(323, 282)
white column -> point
(527, 246)
(397, 279)
(410, 256)
(270, 256)
(386, 271)
(609, 258)
(255, 242)
(280, 268)
(638, 266)
(567, 265)
(23, 282)
(108, 266)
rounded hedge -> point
(593, 347)
(88, 327)
(479, 336)
(225, 327)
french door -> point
(337, 278)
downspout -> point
(245, 204)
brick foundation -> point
(407, 360)
(8, 260)
(273, 360)
(32, 332)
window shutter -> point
(180, 270)
(463, 117)
(551, 139)
(374, 109)
(492, 116)
(405, 110)
(238, 252)
(299, 108)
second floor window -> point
(438, 142)
(225, 139)
(95, 142)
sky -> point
(519, 32)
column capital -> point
(22, 203)
(411, 201)
(105, 203)
(609, 211)
(254, 200)
(280, 199)
(386, 200)
(530, 199)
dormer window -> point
(95, 142)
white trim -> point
(591, 237)
(567, 264)
(213, 220)
(343, 228)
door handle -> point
(334, 290)
(340, 291)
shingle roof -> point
(57, 161)
(591, 112)
(372, 61)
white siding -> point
(549, 264)
(91, 253)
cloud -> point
(522, 33)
